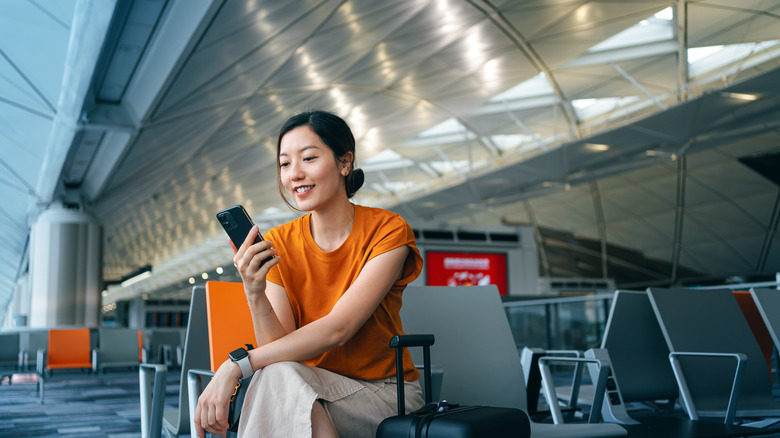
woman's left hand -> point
(211, 413)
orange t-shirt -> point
(315, 280)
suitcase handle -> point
(399, 342)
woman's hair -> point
(335, 133)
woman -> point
(326, 304)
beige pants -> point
(280, 397)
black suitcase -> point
(442, 420)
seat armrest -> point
(152, 398)
(599, 385)
(94, 360)
(164, 355)
(195, 388)
(685, 393)
(40, 364)
(576, 381)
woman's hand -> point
(249, 262)
(211, 413)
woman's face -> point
(309, 171)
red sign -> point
(466, 269)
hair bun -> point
(354, 181)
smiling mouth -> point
(303, 189)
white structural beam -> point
(91, 20)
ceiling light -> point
(219, 270)
(663, 154)
(595, 147)
(192, 280)
(204, 276)
(140, 274)
(741, 96)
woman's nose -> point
(296, 171)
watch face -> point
(238, 354)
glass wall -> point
(572, 323)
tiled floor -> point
(77, 405)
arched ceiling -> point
(626, 122)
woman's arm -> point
(268, 303)
(349, 314)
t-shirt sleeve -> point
(274, 275)
(394, 234)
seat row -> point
(469, 324)
(711, 350)
(47, 352)
(658, 345)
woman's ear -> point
(346, 163)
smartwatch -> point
(241, 357)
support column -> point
(65, 269)
(681, 17)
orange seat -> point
(756, 323)
(68, 348)
(229, 320)
(140, 346)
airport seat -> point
(229, 320)
(9, 355)
(569, 394)
(155, 419)
(229, 325)
(30, 341)
(635, 347)
(117, 348)
(66, 349)
(767, 303)
(164, 347)
(757, 325)
(638, 353)
(141, 353)
(716, 359)
(475, 347)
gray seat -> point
(117, 348)
(163, 347)
(475, 347)
(30, 341)
(768, 304)
(9, 355)
(175, 422)
(637, 350)
(707, 322)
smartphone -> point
(237, 223)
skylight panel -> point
(449, 126)
(395, 186)
(448, 166)
(698, 53)
(705, 59)
(657, 28)
(590, 108)
(536, 86)
(385, 160)
(510, 141)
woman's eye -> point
(309, 158)
(283, 164)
